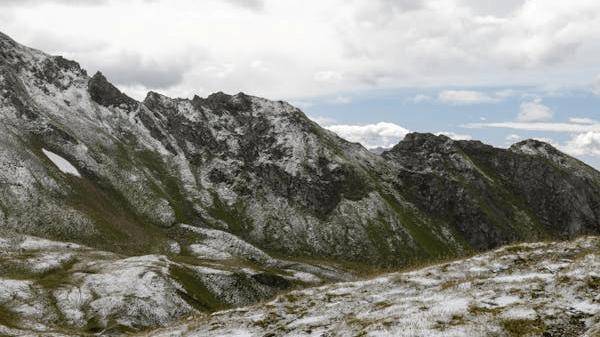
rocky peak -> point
(153, 98)
(218, 97)
(69, 65)
(220, 102)
(58, 71)
(106, 94)
(535, 147)
(422, 141)
(9, 51)
(6, 42)
(423, 151)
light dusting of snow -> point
(503, 287)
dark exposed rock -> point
(561, 192)
(104, 93)
(57, 135)
(217, 177)
(69, 65)
(152, 124)
(319, 195)
(272, 280)
(493, 196)
(14, 93)
(180, 127)
(220, 101)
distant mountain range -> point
(379, 150)
(249, 188)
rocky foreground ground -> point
(538, 289)
(50, 288)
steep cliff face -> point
(261, 171)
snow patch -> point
(63, 165)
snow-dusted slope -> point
(256, 168)
(50, 286)
(538, 289)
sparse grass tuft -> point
(196, 293)
(234, 216)
(8, 318)
(477, 310)
(523, 327)
(292, 297)
(593, 283)
(383, 304)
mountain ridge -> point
(222, 150)
(242, 184)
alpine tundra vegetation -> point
(118, 216)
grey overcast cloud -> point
(492, 70)
(316, 47)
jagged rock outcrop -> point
(104, 93)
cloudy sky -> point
(370, 70)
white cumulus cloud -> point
(584, 144)
(464, 97)
(579, 120)
(455, 136)
(534, 111)
(528, 126)
(420, 98)
(382, 134)
(596, 86)
(322, 120)
(513, 138)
